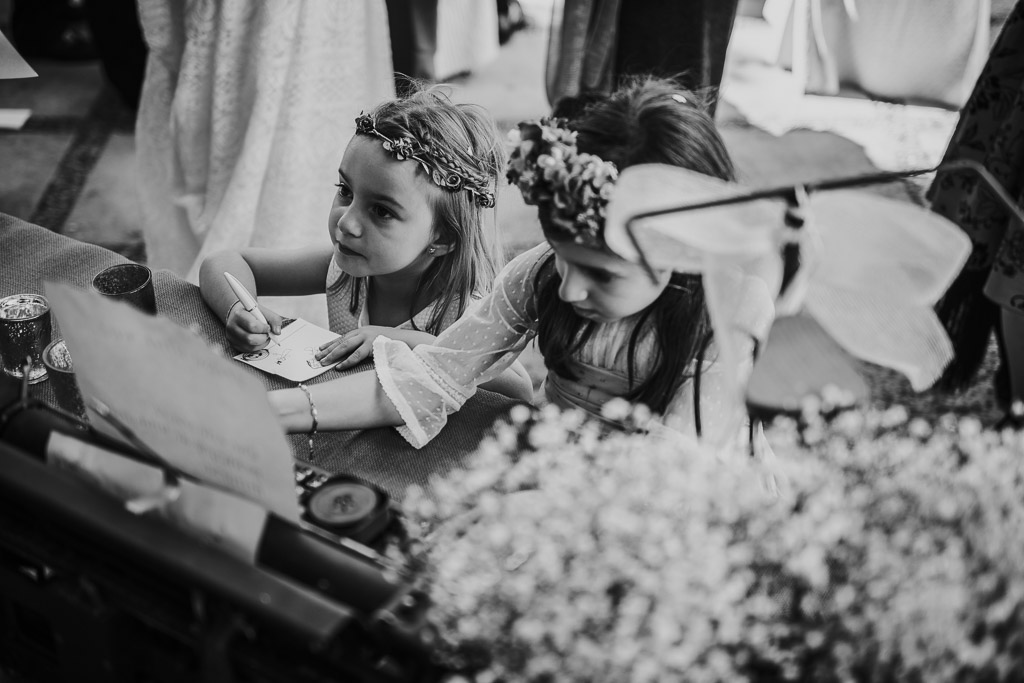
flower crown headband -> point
(443, 169)
(548, 170)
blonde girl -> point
(409, 244)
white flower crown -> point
(547, 168)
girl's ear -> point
(439, 248)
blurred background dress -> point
(245, 112)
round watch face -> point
(342, 503)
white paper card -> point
(13, 65)
(191, 406)
(229, 522)
(291, 354)
(216, 517)
(14, 119)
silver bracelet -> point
(313, 414)
(228, 314)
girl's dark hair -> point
(468, 134)
(647, 120)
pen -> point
(247, 300)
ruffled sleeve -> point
(428, 383)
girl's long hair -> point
(467, 134)
(642, 122)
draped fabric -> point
(245, 113)
(991, 132)
(581, 47)
(907, 50)
(594, 43)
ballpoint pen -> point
(248, 301)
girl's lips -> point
(584, 312)
(345, 251)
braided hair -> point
(464, 138)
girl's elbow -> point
(521, 385)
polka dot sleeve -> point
(428, 383)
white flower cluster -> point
(546, 166)
(895, 551)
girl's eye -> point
(343, 191)
(602, 276)
(381, 211)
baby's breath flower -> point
(892, 550)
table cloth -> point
(31, 255)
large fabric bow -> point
(871, 268)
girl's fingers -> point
(338, 348)
(357, 356)
(246, 342)
(335, 354)
(331, 344)
(248, 324)
(274, 318)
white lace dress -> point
(245, 113)
(428, 383)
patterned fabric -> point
(991, 132)
(342, 320)
(428, 383)
(245, 113)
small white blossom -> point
(892, 548)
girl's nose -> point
(348, 225)
(573, 288)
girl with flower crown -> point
(605, 327)
(409, 244)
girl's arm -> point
(355, 401)
(264, 272)
(429, 382)
(418, 388)
(269, 272)
(356, 346)
(515, 383)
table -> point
(31, 255)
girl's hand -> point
(245, 332)
(352, 348)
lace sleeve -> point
(428, 383)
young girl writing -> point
(605, 327)
(409, 247)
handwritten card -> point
(190, 405)
(291, 354)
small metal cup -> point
(128, 282)
(25, 329)
(62, 378)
